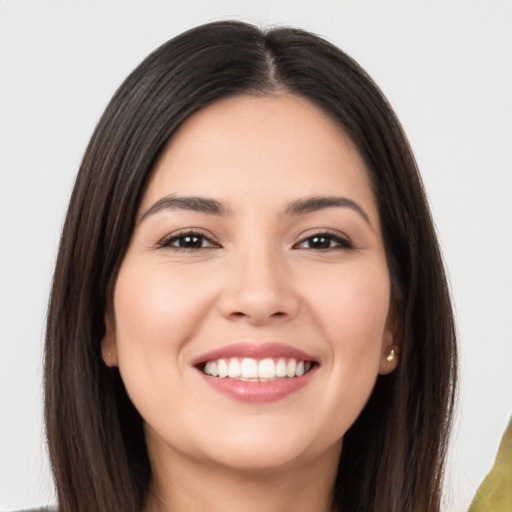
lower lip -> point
(258, 392)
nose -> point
(258, 289)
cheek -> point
(352, 306)
(352, 310)
(156, 313)
(155, 308)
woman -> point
(249, 306)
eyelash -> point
(331, 236)
(167, 242)
(340, 241)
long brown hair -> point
(393, 456)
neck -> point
(188, 486)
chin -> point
(268, 449)
(260, 460)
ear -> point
(390, 344)
(108, 343)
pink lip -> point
(259, 392)
(254, 350)
(256, 392)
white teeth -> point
(223, 368)
(281, 368)
(291, 367)
(234, 368)
(249, 369)
(266, 369)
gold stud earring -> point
(391, 356)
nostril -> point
(241, 314)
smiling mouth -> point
(256, 373)
(248, 369)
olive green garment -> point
(495, 492)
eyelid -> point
(344, 242)
(165, 243)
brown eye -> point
(188, 241)
(324, 241)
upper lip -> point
(254, 350)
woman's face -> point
(257, 253)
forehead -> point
(245, 146)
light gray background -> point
(444, 65)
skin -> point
(259, 278)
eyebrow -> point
(313, 204)
(196, 204)
(214, 207)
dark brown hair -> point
(393, 456)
